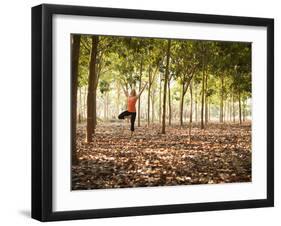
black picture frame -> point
(42, 111)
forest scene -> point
(159, 112)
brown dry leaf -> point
(222, 154)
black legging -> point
(133, 118)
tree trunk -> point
(209, 111)
(190, 113)
(224, 111)
(170, 107)
(227, 111)
(94, 112)
(153, 105)
(80, 106)
(239, 103)
(74, 77)
(230, 110)
(148, 96)
(165, 88)
(196, 105)
(206, 101)
(221, 99)
(96, 80)
(91, 101)
(160, 97)
(203, 95)
(104, 107)
(181, 105)
(107, 105)
(244, 110)
(233, 108)
(139, 100)
(118, 99)
(85, 102)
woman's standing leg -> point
(133, 119)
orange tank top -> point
(132, 104)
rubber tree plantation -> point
(159, 112)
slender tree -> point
(151, 79)
(148, 94)
(190, 111)
(91, 100)
(165, 87)
(203, 92)
(139, 101)
(222, 98)
(233, 108)
(169, 102)
(184, 65)
(196, 104)
(74, 70)
(153, 104)
(160, 98)
(80, 116)
(206, 100)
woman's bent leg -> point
(123, 114)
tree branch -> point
(85, 46)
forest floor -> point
(218, 154)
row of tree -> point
(215, 72)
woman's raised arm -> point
(125, 91)
(142, 90)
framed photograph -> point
(145, 112)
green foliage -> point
(104, 86)
(124, 61)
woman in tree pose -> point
(131, 109)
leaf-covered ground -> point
(218, 154)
